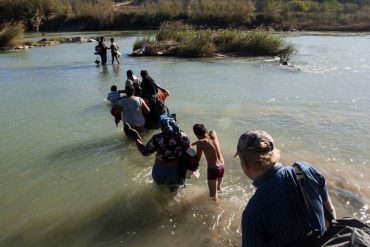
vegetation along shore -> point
(84, 15)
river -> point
(70, 178)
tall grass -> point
(186, 41)
(11, 34)
(144, 14)
(221, 12)
(252, 43)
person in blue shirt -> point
(276, 215)
(114, 95)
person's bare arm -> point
(330, 207)
(161, 88)
(139, 144)
(145, 107)
(199, 150)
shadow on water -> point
(103, 148)
(90, 148)
(97, 109)
(349, 200)
(124, 219)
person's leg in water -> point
(212, 189)
(214, 176)
(219, 180)
(159, 175)
(116, 56)
(103, 59)
(221, 171)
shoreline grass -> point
(87, 15)
(11, 34)
(182, 40)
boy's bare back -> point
(210, 146)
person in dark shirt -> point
(276, 215)
(149, 87)
(101, 49)
(154, 99)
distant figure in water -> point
(114, 50)
(208, 144)
(114, 97)
(283, 60)
(281, 212)
(132, 80)
(101, 49)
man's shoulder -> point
(307, 168)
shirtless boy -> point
(208, 144)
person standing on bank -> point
(276, 215)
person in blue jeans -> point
(277, 215)
(169, 145)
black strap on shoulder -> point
(328, 215)
(301, 179)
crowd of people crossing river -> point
(291, 205)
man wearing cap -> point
(276, 215)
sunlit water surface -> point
(70, 178)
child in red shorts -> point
(208, 144)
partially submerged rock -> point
(48, 42)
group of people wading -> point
(101, 50)
(143, 108)
(291, 205)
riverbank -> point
(68, 15)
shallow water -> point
(70, 178)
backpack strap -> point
(300, 176)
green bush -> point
(148, 14)
(140, 43)
(175, 31)
(190, 42)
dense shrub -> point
(11, 34)
(189, 42)
(148, 14)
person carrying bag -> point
(344, 232)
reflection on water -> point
(70, 178)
